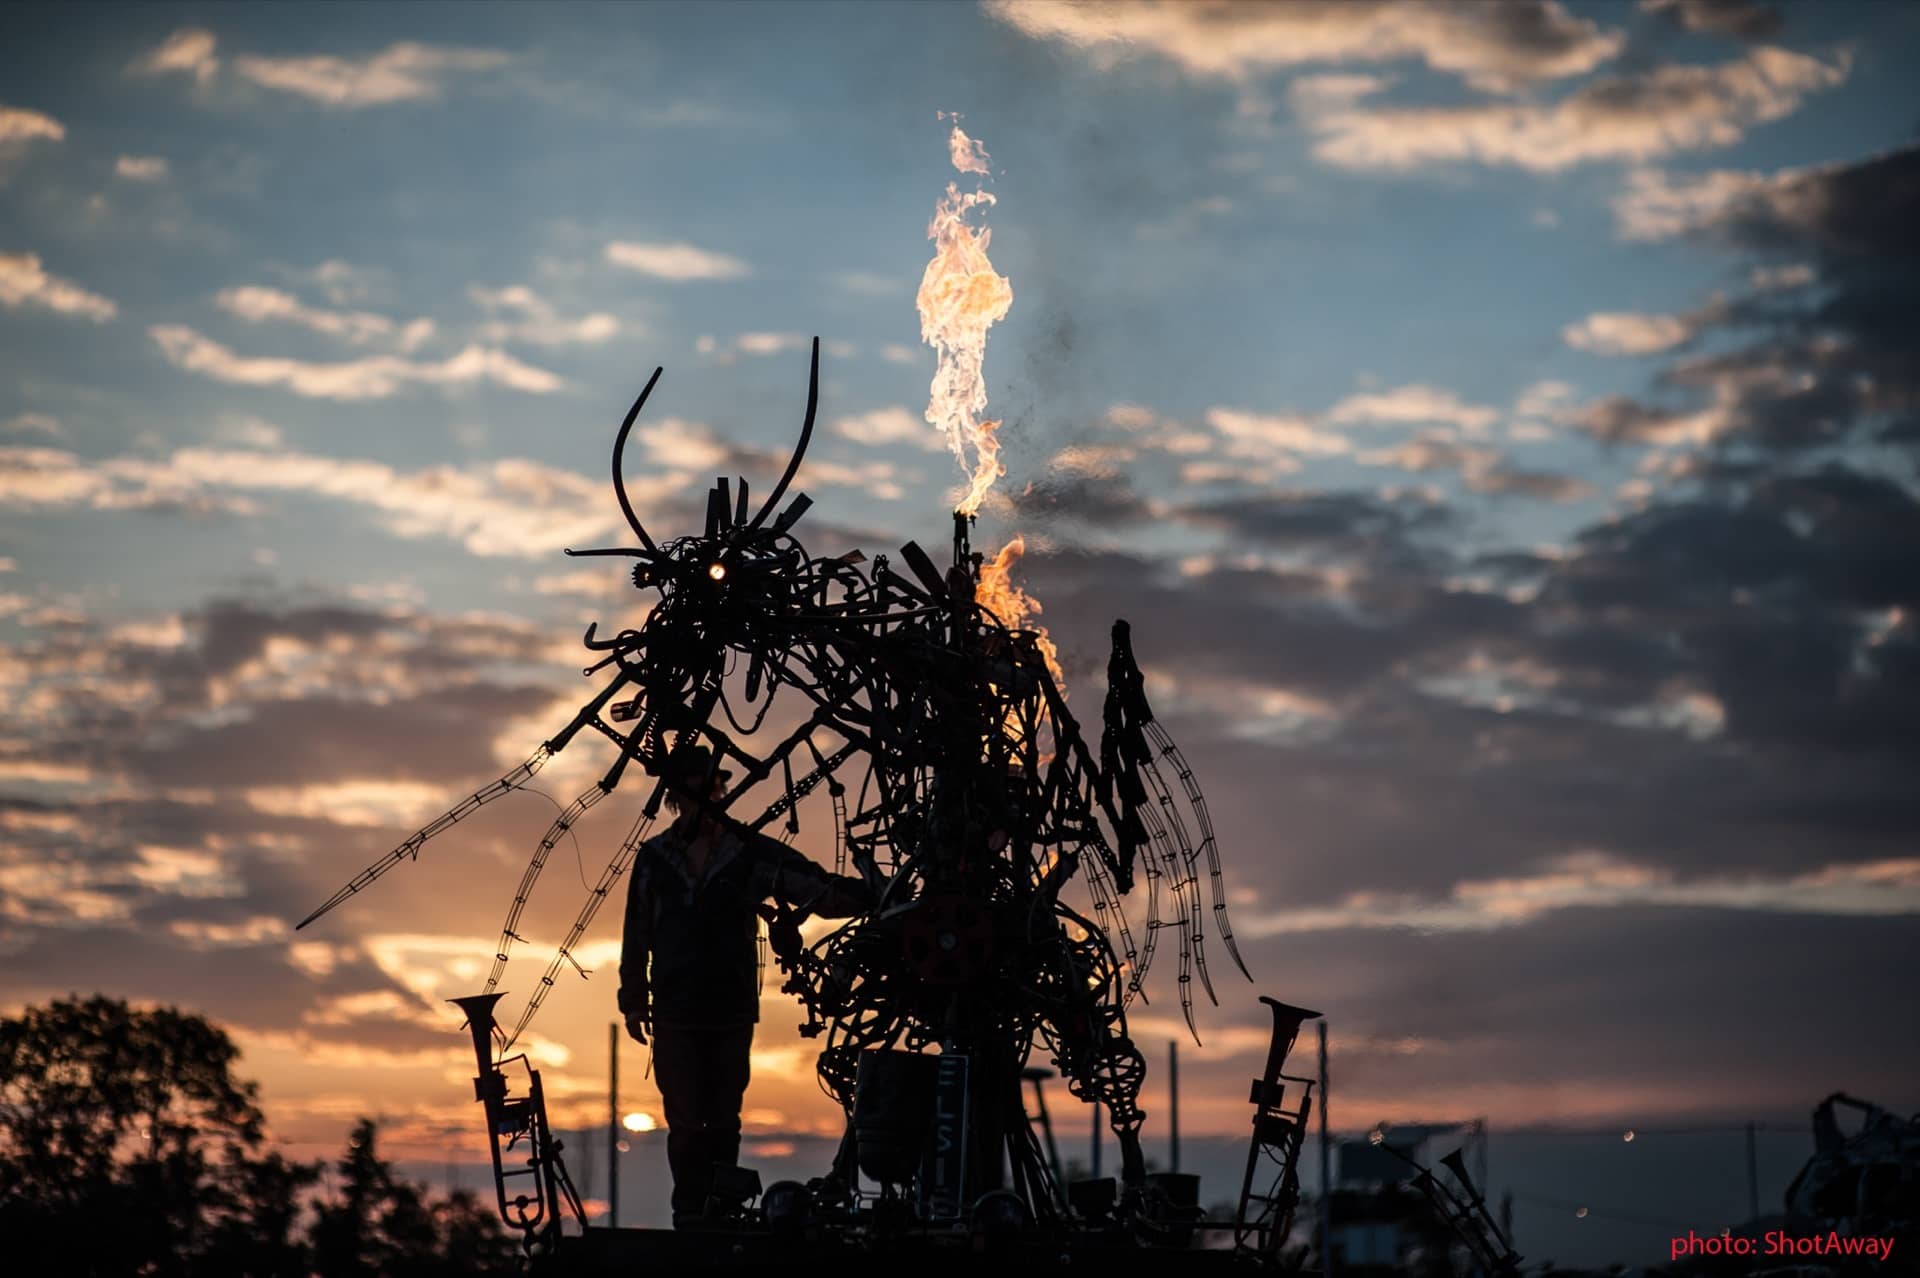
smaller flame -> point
(997, 592)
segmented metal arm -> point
(621, 863)
(452, 816)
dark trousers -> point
(702, 1071)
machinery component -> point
(1465, 1213)
(535, 1212)
(1264, 1219)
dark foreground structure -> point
(999, 844)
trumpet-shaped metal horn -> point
(1456, 1162)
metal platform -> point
(747, 1249)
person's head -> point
(690, 776)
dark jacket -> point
(689, 954)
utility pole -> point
(1326, 1166)
(1173, 1104)
(1753, 1175)
(613, 1126)
(1095, 1172)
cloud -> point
(676, 261)
(537, 321)
(1592, 880)
(1627, 333)
(257, 304)
(1827, 367)
(1828, 209)
(188, 51)
(769, 344)
(17, 124)
(1742, 19)
(1631, 117)
(344, 283)
(1495, 47)
(1338, 524)
(33, 424)
(1656, 205)
(1484, 470)
(1429, 451)
(1255, 434)
(141, 168)
(509, 507)
(870, 283)
(1410, 404)
(373, 377)
(895, 424)
(24, 282)
(405, 72)
(1765, 279)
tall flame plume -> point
(961, 297)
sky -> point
(1497, 423)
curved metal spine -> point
(800, 449)
(619, 451)
(1164, 742)
(1187, 885)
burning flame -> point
(961, 296)
(997, 592)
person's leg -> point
(678, 1068)
(729, 1065)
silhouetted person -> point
(691, 910)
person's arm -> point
(799, 884)
(636, 948)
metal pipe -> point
(1326, 1166)
(613, 1125)
(1173, 1104)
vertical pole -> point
(1173, 1105)
(1095, 1173)
(613, 1126)
(1480, 1159)
(1326, 1166)
(1753, 1176)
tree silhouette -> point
(128, 1146)
(380, 1224)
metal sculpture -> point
(978, 803)
(1265, 1219)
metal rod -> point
(1173, 1104)
(613, 1125)
(1326, 1166)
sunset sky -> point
(1497, 422)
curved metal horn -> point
(800, 450)
(620, 447)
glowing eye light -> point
(717, 571)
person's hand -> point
(637, 1029)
